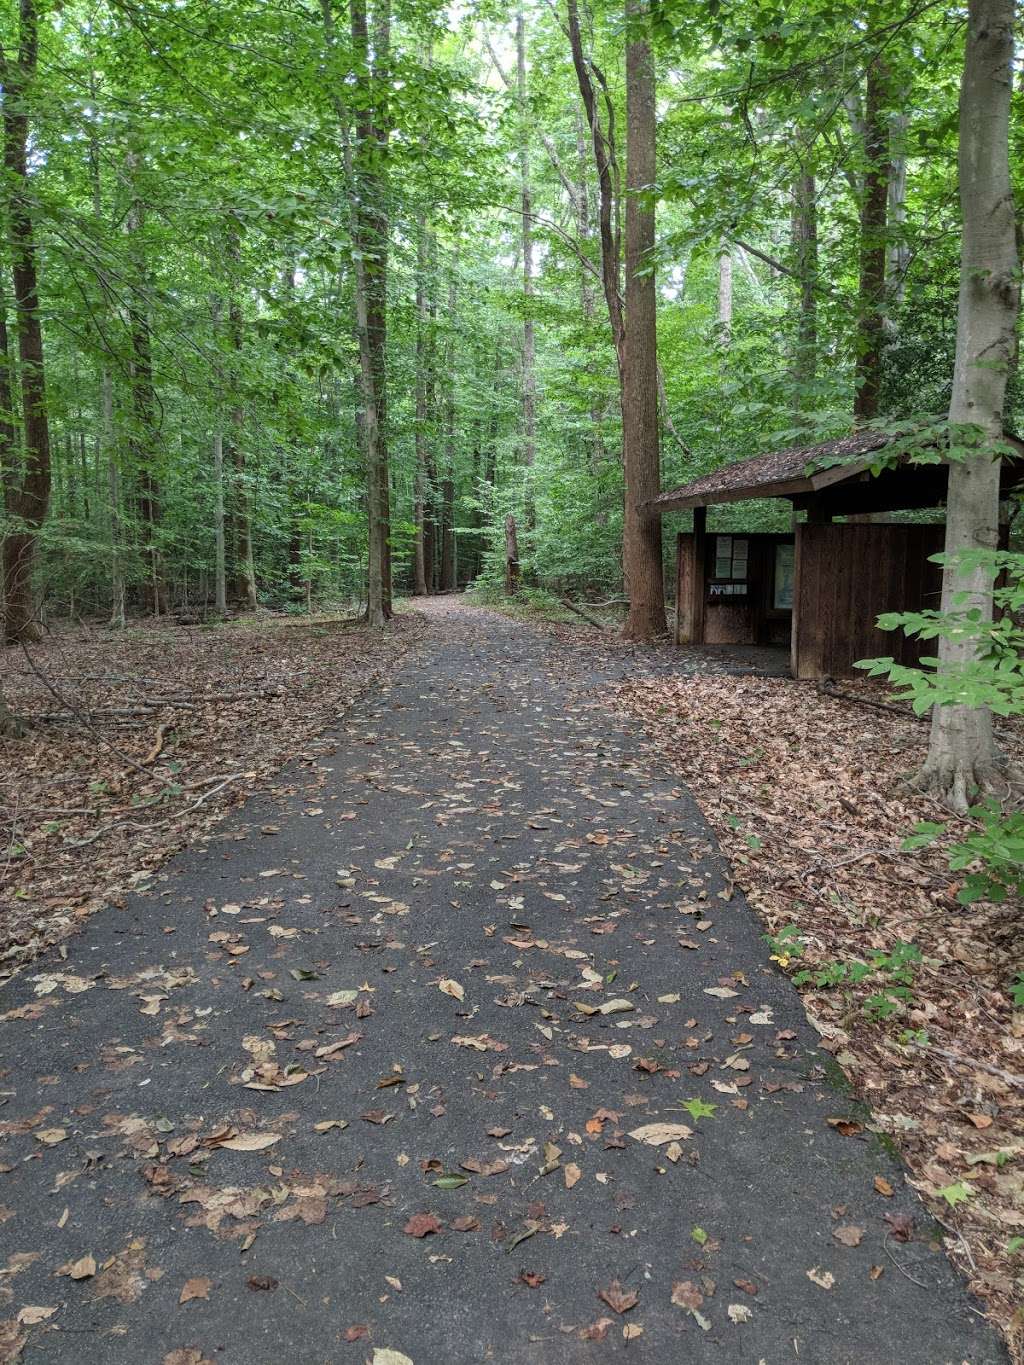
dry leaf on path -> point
(655, 1134)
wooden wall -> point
(847, 575)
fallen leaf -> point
(50, 1136)
(250, 1142)
(848, 1235)
(83, 1269)
(31, 1314)
(655, 1134)
(618, 1299)
(739, 1312)
(421, 1225)
(824, 1278)
(197, 1288)
(452, 988)
(572, 1174)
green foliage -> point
(992, 851)
(892, 973)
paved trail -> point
(481, 822)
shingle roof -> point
(770, 474)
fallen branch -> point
(591, 620)
(973, 1064)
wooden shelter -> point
(820, 587)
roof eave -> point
(747, 494)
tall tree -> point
(27, 479)
(874, 203)
(962, 755)
(641, 534)
(370, 265)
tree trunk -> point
(511, 557)
(26, 490)
(961, 755)
(804, 229)
(117, 576)
(897, 251)
(243, 563)
(422, 493)
(529, 340)
(641, 528)
(724, 294)
(871, 292)
(143, 441)
(370, 259)
(448, 583)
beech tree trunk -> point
(962, 756)
(641, 528)
(724, 293)
(871, 292)
(804, 230)
(26, 481)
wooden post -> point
(698, 587)
(684, 591)
(794, 629)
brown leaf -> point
(618, 1299)
(464, 1223)
(197, 1288)
(685, 1294)
(882, 1186)
(849, 1235)
(258, 1282)
(597, 1331)
(533, 1278)
(848, 1127)
(421, 1225)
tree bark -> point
(897, 251)
(243, 564)
(422, 493)
(962, 756)
(529, 339)
(871, 292)
(804, 230)
(448, 583)
(143, 440)
(642, 527)
(511, 557)
(724, 293)
(26, 488)
(604, 161)
(370, 261)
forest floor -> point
(141, 740)
(457, 1041)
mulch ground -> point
(142, 739)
